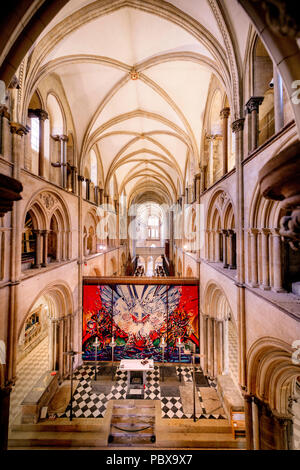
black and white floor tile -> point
(88, 404)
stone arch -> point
(271, 372)
(55, 308)
(271, 379)
(219, 334)
(220, 230)
(274, 265)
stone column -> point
(58, 246)
(252, 107)
(225, 248)
(63, 246)
(205, 346)
(237, 128)
(232, 249)
(255, 422)
(265, 259)
(210, 345)
(202, 178)
(60, 347)
(216, 344)
(217, 245)
(226, 346)
(88, 181)
(220, 347)
(224, 114)
(45, 247)
(278, 99)
(277, 265)
(197, 187)
(248, 420)
(202, 338)
(253, 258)
(74, 179)
(38, 248)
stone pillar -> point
(253, 258)
(277, 265)
(225, 249)
(63, 139)
(202, 338)
(197, 187)
(45, 247)
(237, 128)
(215, 350)
(220, 348)
(248, 420)
(203, 178)
(63, 246)
(60, 346)
(252, 107)
(38, 248)
(217, 245)
(88, 181)
(58, 246)
(101, 190)
(205, 346)
(232, 249)
(224, 114)
(278, 99)
(210, 345)
(74, 179)
(255, 423)
(226, 346)
(265, 259)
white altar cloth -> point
(136, 365)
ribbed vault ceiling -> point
(144, 127)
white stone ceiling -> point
(144, 129)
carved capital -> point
(254, 103)
(238, 125)
(61, 137)
(39, 113)
(225, 113)
(19, 129)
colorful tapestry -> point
(138, 317)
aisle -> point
(29, 370)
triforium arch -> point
(218, 334)
(51, 226)
(220, 230)
(273, 264)
(271, 379)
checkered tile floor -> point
(88, 404)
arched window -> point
(153, 229)
(262, 84)
(94, 168)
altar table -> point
(131, 365)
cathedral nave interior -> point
(149, 193)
